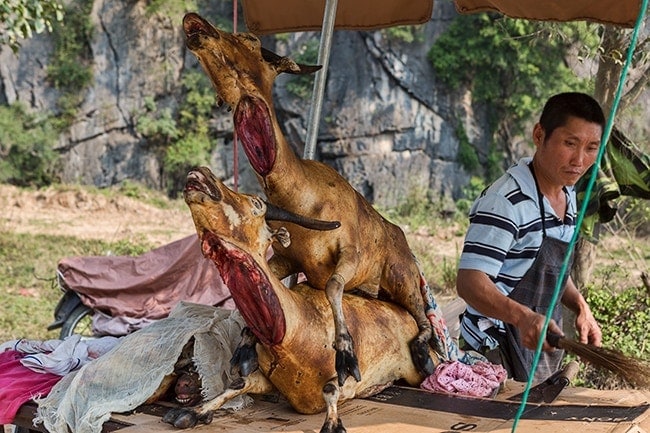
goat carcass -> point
(294, 327)
(367, 252)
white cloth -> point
(124, 378)
(59, 357)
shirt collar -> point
(520, 172)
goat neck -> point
(242, 73)
(235, 236)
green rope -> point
(583, 208)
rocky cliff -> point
(387, 125)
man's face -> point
(569, 151)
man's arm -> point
(587, 327)
(476, 288)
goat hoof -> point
(346, 366)
(421, 358)
(181, 418)
(206, 418)
(171, 415)
(436, 345)
(331, 426)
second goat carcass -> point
(294, 327)
(367, 252)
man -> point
(519, 233)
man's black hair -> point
(560, 107)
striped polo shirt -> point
(503, 238)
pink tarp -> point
(149, 285)
(19, 384)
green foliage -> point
(624, 318)
(408, 34)
(513, 65)
(184, 138)
(302, 85)
(26, 148)
(171, 8)
(140, 192)
(182, 155)
(494, 164)
(158, 125)
(467, 156)
(414, 211)
(22, 18)
(449, 270)
(70, 69)
(199, 101)
(471, 191)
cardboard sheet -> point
(402, 410)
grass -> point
(28, 290)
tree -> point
(510, 65)
(612, 54)
(21, 19)
(613, 50)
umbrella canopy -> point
(619, 12)
(279, 16)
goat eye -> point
(259, 207)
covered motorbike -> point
(116, 295)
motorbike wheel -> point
(79, 321)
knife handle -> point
(569, 372)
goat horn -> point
(275, 213)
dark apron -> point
(535, 290)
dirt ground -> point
(79, 213)
(86, 215)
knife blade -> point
(548, 390)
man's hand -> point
(530, 330)
(586, 326)
(588, 329)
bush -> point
(182, 136)
(27, 150)
(623, 318)
(70, 70)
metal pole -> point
(321, 76)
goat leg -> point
(346, 360)
(333, 423)
(244, 358)
(419, 346)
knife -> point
(547, 391)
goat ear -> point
(285, 64)
(282, 235)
